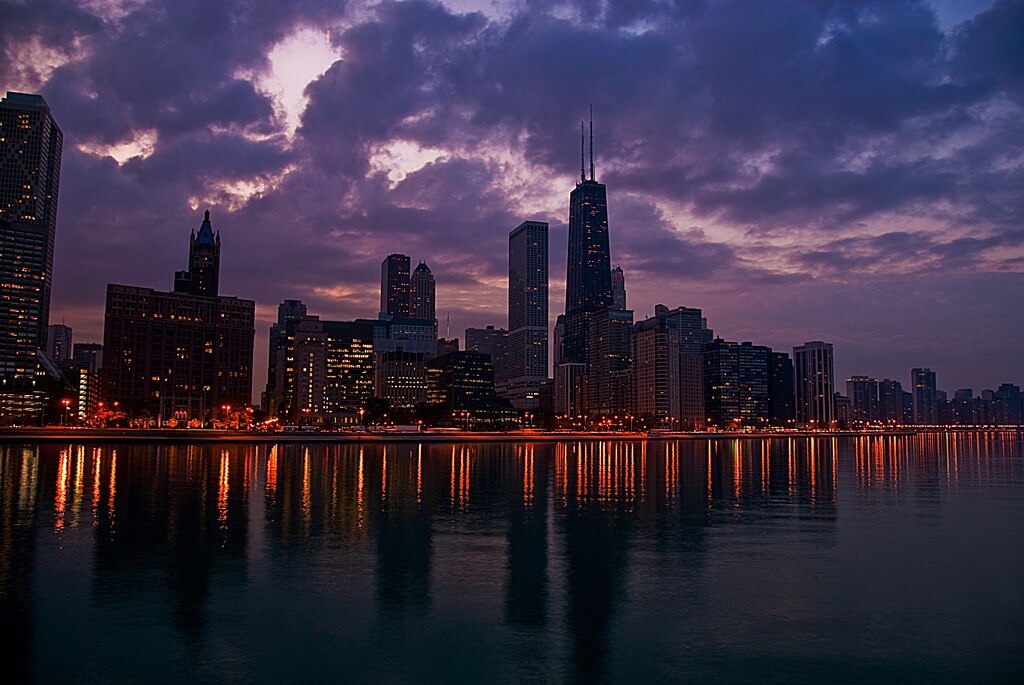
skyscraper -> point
(394, 286)
(527, 351)
(588, 271)
(815, 384)
(59, 342)
(30, 153)
(421, 294)
(280, 361)
(925, 396)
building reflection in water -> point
(19, 490)
(569, 525)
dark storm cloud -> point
(816, 144)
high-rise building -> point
(890, 401)
(401, 378)
(178, 354)
(394, 286)
(618, 288)
(863, 394)
(588, 271)
(655, 353)
(59, 342)
(781, 394)
(1009, 405)
(736, 383)
(527, 313)
(610, 354)
(421, 294)
(349, 361)
(815, 384)
(926, 404)
(280, 361)
(30, 155)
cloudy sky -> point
(840, 170)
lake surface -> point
(796, 560)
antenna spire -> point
(583, 174)
(591, 142)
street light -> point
(67, 403)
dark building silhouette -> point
(618, 288)
(527, 361)
(588, 271)
(30, 155)
(179, 354)
(203, 272)
(422, 295)
(863, 394)
(394, 286)
(890, 401)
(781, 393)
(926, 404)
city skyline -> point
(910, 259)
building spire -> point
(591, 142)
(583, 173)
(207, 217)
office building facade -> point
(815, 384)
(527, 350)
(30, 157)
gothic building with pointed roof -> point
(185, 354)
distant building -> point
(280, 364)
(890, 401)
(88, 355)
(1009, 405)
(59, 342)
(395, 286)
(781, 390)
(618, 288)
(30, 157)
(527, 351)
(183, 354)
(815, 384)
(421, 295)
(864, 403)
(926, 404)
(446, 345)
(494, 342)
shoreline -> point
(200, 435)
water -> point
(875, 558)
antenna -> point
(448, 327)
(583, 175)
(591, 142)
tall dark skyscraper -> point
(527, 313)
(30, 152)
(588, 272)
(394, 285)
(421, 294)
